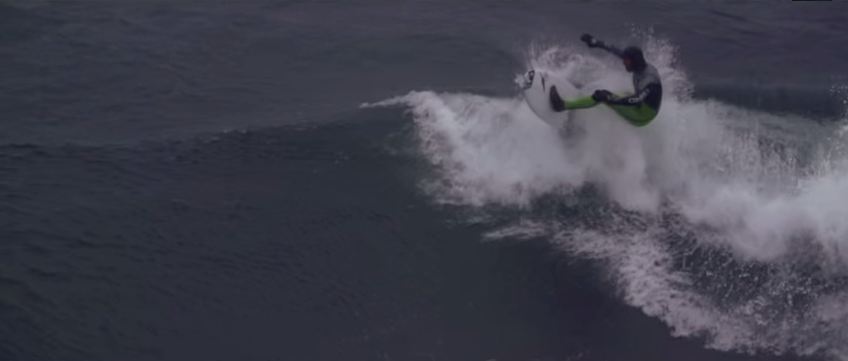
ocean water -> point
(295, 180)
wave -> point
(726, 223)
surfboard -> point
(537, 88)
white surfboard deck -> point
(537, 88)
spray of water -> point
(741, 235)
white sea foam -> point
(754, 184)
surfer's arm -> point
(610, 48)
(595, 43)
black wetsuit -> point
(646, 83)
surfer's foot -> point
(556, 100)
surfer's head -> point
(633, 59)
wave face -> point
(724, 222)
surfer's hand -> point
(590, 41)
(601, 95)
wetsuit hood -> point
(636, 59)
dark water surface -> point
(195, 180)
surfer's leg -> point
(559, 104)
(580, 103)
(638, 116)
(556, 101)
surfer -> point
(638, 109)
